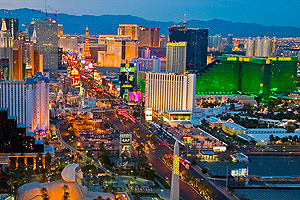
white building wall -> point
(29, 103)
(176, 57)
(170, 92)
(13, 98)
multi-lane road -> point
(186, 191)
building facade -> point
(27, 101)
(197, 42)
(149, 37)
(6, 52)
(147, 64)
(130, 30)
(12, 25)
(215, 42)
(170, 92)
(68, 43)
(261, 47)
(261, 77)
(26, 59)
(176, 57)
(118, 49)
(47, 39)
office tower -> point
(261, 47)
(26, 59)
(12, 25)
(230, 39)
(176, 57)
(68, 43)
(149, 37)
(175, 174)
(147, 64)
(46, 36)
(86, 52)
(170, 92)
(196, 45)
(6, 52)
(118, 49)
(28, 101)
(130, 30)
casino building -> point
(252, 76)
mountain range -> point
(108, 24)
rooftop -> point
(233, 126)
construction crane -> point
(54, 12)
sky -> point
(265, 12)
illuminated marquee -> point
(178, 44)
(232, 59)
(187, 139)
(125, 140)
(127, 69)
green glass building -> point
(261, 77)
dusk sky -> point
(266, 12)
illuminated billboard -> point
(125, 143)
(239, 172)
(127, 69)
(187, 139)
(219, 148)
(135, 97)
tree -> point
(48, 158)
(17, 177)
(45, 195)
(66, 195)
(271, 138)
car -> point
(167, 178)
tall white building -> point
(28, 101)
(176, 57)
(215, 41)
(170, 91)
(261, 47)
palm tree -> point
(45, 195)
(66, 195)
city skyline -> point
(236, 11)
(109, 105)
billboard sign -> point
(219, 148)
(187, 139)
(239, 172)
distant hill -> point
(108, 24)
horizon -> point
(80, 15)
(233, 11)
